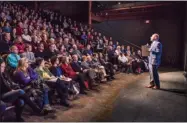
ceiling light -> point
(119, 3)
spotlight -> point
(106, 13)
(119, 3)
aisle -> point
(136, 103)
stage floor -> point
(126, 99)
(138, 104)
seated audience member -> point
(88, 50)
(116, 45)
(99, 45)
(93, 43)
(10, 93)
(76, 76)
(88, 73)
(48, 77)
(19, 44)
(66, 44)
(53, 51)
(52, 34)
(104, 66)
(129, 49)
(118, 50)
(89, 35)
(123, 50)
(44, 40)
(77, 33)
(97, 67)
(29, 54)
(51, 41)
(19, 29)
(136, 64)
(111, 55)
(7, 28)
(6, 43)
(108, 66)
(79, 45)
(3, 21)
(41, 52)
(35, 42)
(13, 59)
(143, 62)
(129, 63)
(26, 37)
(59, 42)
(14, 23)
(13, 34)
(76, 51)
(111, 44)
(122, 60)
(56, 70)
(27, 77)
(84, 38)
(63, 52)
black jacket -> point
(76, 66)
(6, 84)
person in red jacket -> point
(76, 76)
(19, 29)
(19, 44)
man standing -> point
(154, 61)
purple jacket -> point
(23, 79)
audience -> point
(62, 52)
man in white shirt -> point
(122, 58)
(26, 37)
(123, 61)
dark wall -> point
(138, 32)
(77, 10)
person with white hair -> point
(154, 61)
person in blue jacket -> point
(155, 61)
